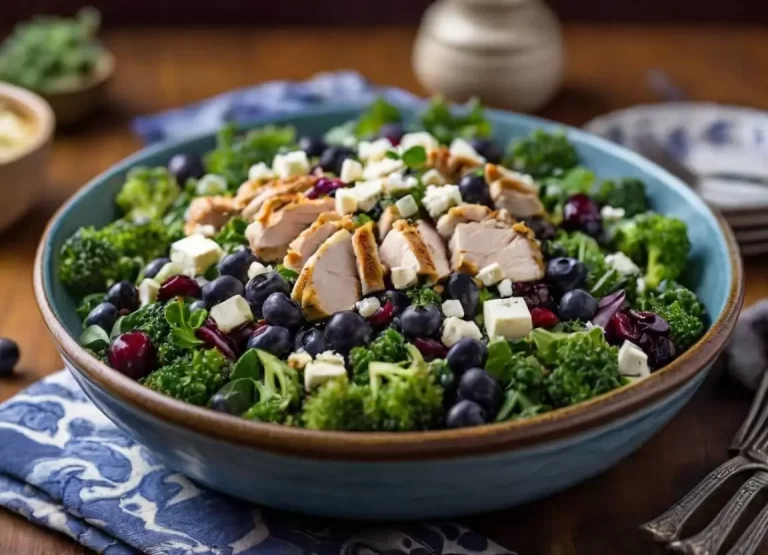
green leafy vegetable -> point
(94, 338)
(415, 157)
(248, 366)
(88, 303)
(231, 237)
(278, 391)
(361, 218)
(468, 122)
(556, 190)
(602, 278)
(183, 323)
(683, 312)
(377, 115)
(237, 396)
(628, 193)
(287, 274)
(193, 378)
(147, 194)
(151, 320)
(542, 155)
(422, 296)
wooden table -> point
(160, 69)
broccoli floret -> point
(337, 405)
(602, 278)
(628, 193)
(683, 312)
(151, 320)
(422, 296)
(582, 365)
(147, 194)
(389, 346)
(446, 125)
(279, 392)
(231, 237)
(542, 155)
(523, 377)
(192, 378)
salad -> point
(391, 275)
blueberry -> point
(346, 330)
(465, 354)
(124, 296)
(312, 340)
(421, 321)
(464, 414)
(333, 157)
(488, 150)
(399, 299)
(280, 310)
(478, 386)
(474, 189)
(186, 166)
(273, 339)
(577, 305)
(103, 315)
(262, 286)
(566, 274)
(198, 305)
(237, 264)
(313, 146)
(9, 356)
(221, 289)
(151, 269)
(464, 289)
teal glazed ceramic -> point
(410, 475)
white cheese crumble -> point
(257, 268)
(609, 213)
(331, 357)
(292, 164)
(491, 274)
(633, 361)
(368, 306)
(505, 288)
(438, 200)
(367, 193)
(407, 206)
(456, 329)
(169, 270)
(211, 184)
(373, 151)
(461, 147)
(232, 313)
(508, 318)
(260, 172)
(397, 183)
(433, 177)
(196, 253)
(622, 264)
(317, 373)
(640, 288)
(403, 277)
(453, 308)
(382, 168)
(148, 290)
(345, 201)
(351, 170)
(299, 359)
(419, 138)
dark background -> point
(369, 12)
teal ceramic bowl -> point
(410, 475)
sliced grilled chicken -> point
(436, 247)
(404, 246)
(207, 215)
(328, 283)
(461, 214)
(280, 220)
(513, 192)
(253, 194)
(475, 245)
(311, 238)
(369, 267)
(451, 166)
(387, 218)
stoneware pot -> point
(23, 177)
(508, 53)
(408, 475)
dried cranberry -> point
(608, 306)
(383, 315)
(324, 187)
(392, 131)
(581, 213)
(132, 354)
(430, 348)
(621, 328)
(535, 293)
(178, 286)
(660, 349)
(649, 322)
(214, 339)
(240, 335)
(543, 317)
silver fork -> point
(750, 445)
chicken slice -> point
(311, 238)
(461, 214)
(475, 245)
(253, 194)
(436, 247)
(451, 166)
(328, 282)
(404, 246)
(280, 220)
(207, 215)
(517, 193)
(369, 267)
(387, 218)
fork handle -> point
(709, 540)
(667, 527)
(750, 540)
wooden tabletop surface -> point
(606, 70)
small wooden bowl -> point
(74, 104)
(23, 177)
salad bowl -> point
(407, 475)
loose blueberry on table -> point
(379, 277)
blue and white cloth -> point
(65, 466)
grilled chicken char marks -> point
(369, 268)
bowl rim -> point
(42, 112)
(402, 446)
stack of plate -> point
(726, 147)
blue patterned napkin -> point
(65, 466)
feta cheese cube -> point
(368, 306)
(292, 164)
(331, 357)
(171, 269)
(257, 268)
(346, 201)
(373, 151)
(491, 274)
(232, 313)
(622, 264)
(396, 183)
(148, 290)
(351, 170)
(456, 329)
(419, 138)
(196, 253)
(453, 308)
(609, 213)
(299, 359)
(382, 168)
(433, 177)
(403, 277)
(211, 184)
(633, 361)
(260, 172)
(505, 288)
(367, 194)
(640, 287)
(437, 200)
(508, 318)
(407, 206)
(461, 147)
(317, 373)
